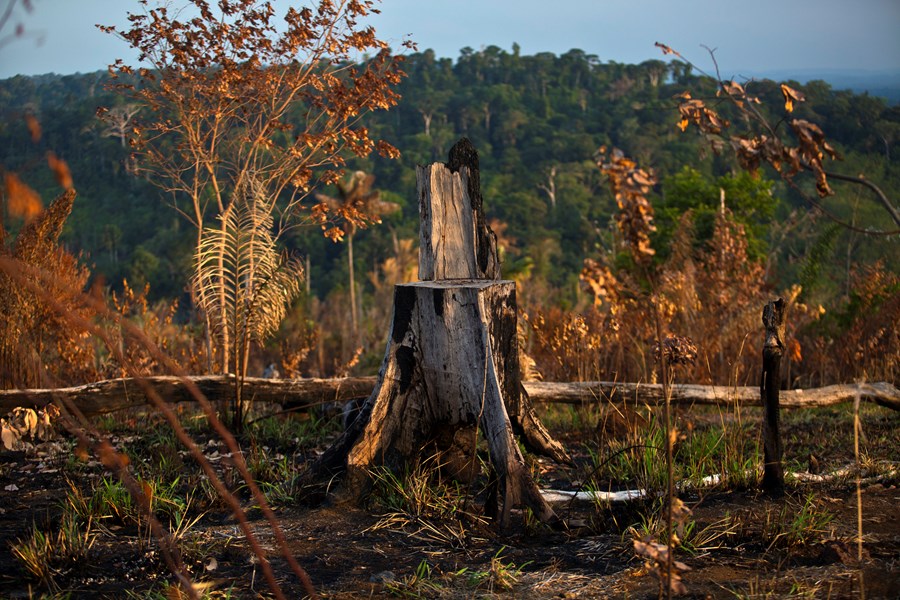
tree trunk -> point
(354, 323)
(770, 384)
(451, 363)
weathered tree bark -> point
(113, 395)
(451, 362)
(454, 239)
(770, 384)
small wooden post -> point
(773, 349)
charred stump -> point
(451, 367)
(770, 384)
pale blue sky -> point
(750, 37)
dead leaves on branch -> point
(790, 96)
(249, 89)
(657, 557)
(677, 349)
(630, 185)
(357, 205)
(601, 282)
(812, 148)
(695, 111)
(657, 562)
(762, 143)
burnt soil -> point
(754, 546)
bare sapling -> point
(770, 384)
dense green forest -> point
(537, 122)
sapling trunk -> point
(770, 384)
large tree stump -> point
(451, 366)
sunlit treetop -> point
(233, 91)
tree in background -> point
(237, 262)
(233, 96)
(362, 205)
(790, 146)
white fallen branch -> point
(710, 481)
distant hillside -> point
(536, 121)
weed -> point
(758, 589)
(633, 464)
(796, 524)
(269, 468)
(424, 507)
(503, 575)
(280, 493)
(689, 535)
(204, 591)
(499, 575)
(111, 500)
(741, 453)
(45, 554)
(697, 455)
(420, 584)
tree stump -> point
(451, 367)
(770, 384)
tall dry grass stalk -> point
(859, 509)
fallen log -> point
(296, 394)
(881, 393)
(118, 394)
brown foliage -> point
(630, 185)
(714, 294)
(233, 96)
(860, 340)
(37, 347)
(179, 342)
(789, 146)
(242, 94)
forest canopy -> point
(537, 122)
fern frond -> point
(241, 281)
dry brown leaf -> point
(34, 128)
(790, 96)
(9, 436)
(60, 170)
(733, 89)
(22, 201)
